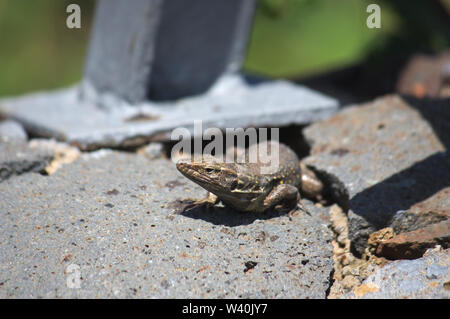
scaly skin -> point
(243, 186)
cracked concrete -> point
(17, 157)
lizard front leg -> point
(208, 202)
(283, 197)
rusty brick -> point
(412, 245)
(425, 76)
(430, 211)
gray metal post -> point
(155, 65)
(165, 50)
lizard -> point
(243, 187)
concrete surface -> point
(112, 219)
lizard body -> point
(243, 186)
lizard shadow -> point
(226, 216)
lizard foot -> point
(303, 208)
(299, 206)
(207, 203)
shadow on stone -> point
(378, 204)
(419, 181)
(437, 113)
(226, 216)
(402, 190)
(254, 79)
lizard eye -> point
(234, 185)
(209, 170)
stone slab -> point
(427, 277)
(110, 218)
(383, 157)
(102, 120)
(11, 130)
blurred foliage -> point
(37, 50)
(289, 38)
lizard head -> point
(233, 183)
(211, 174)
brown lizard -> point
(243, 186)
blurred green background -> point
(290, 38)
